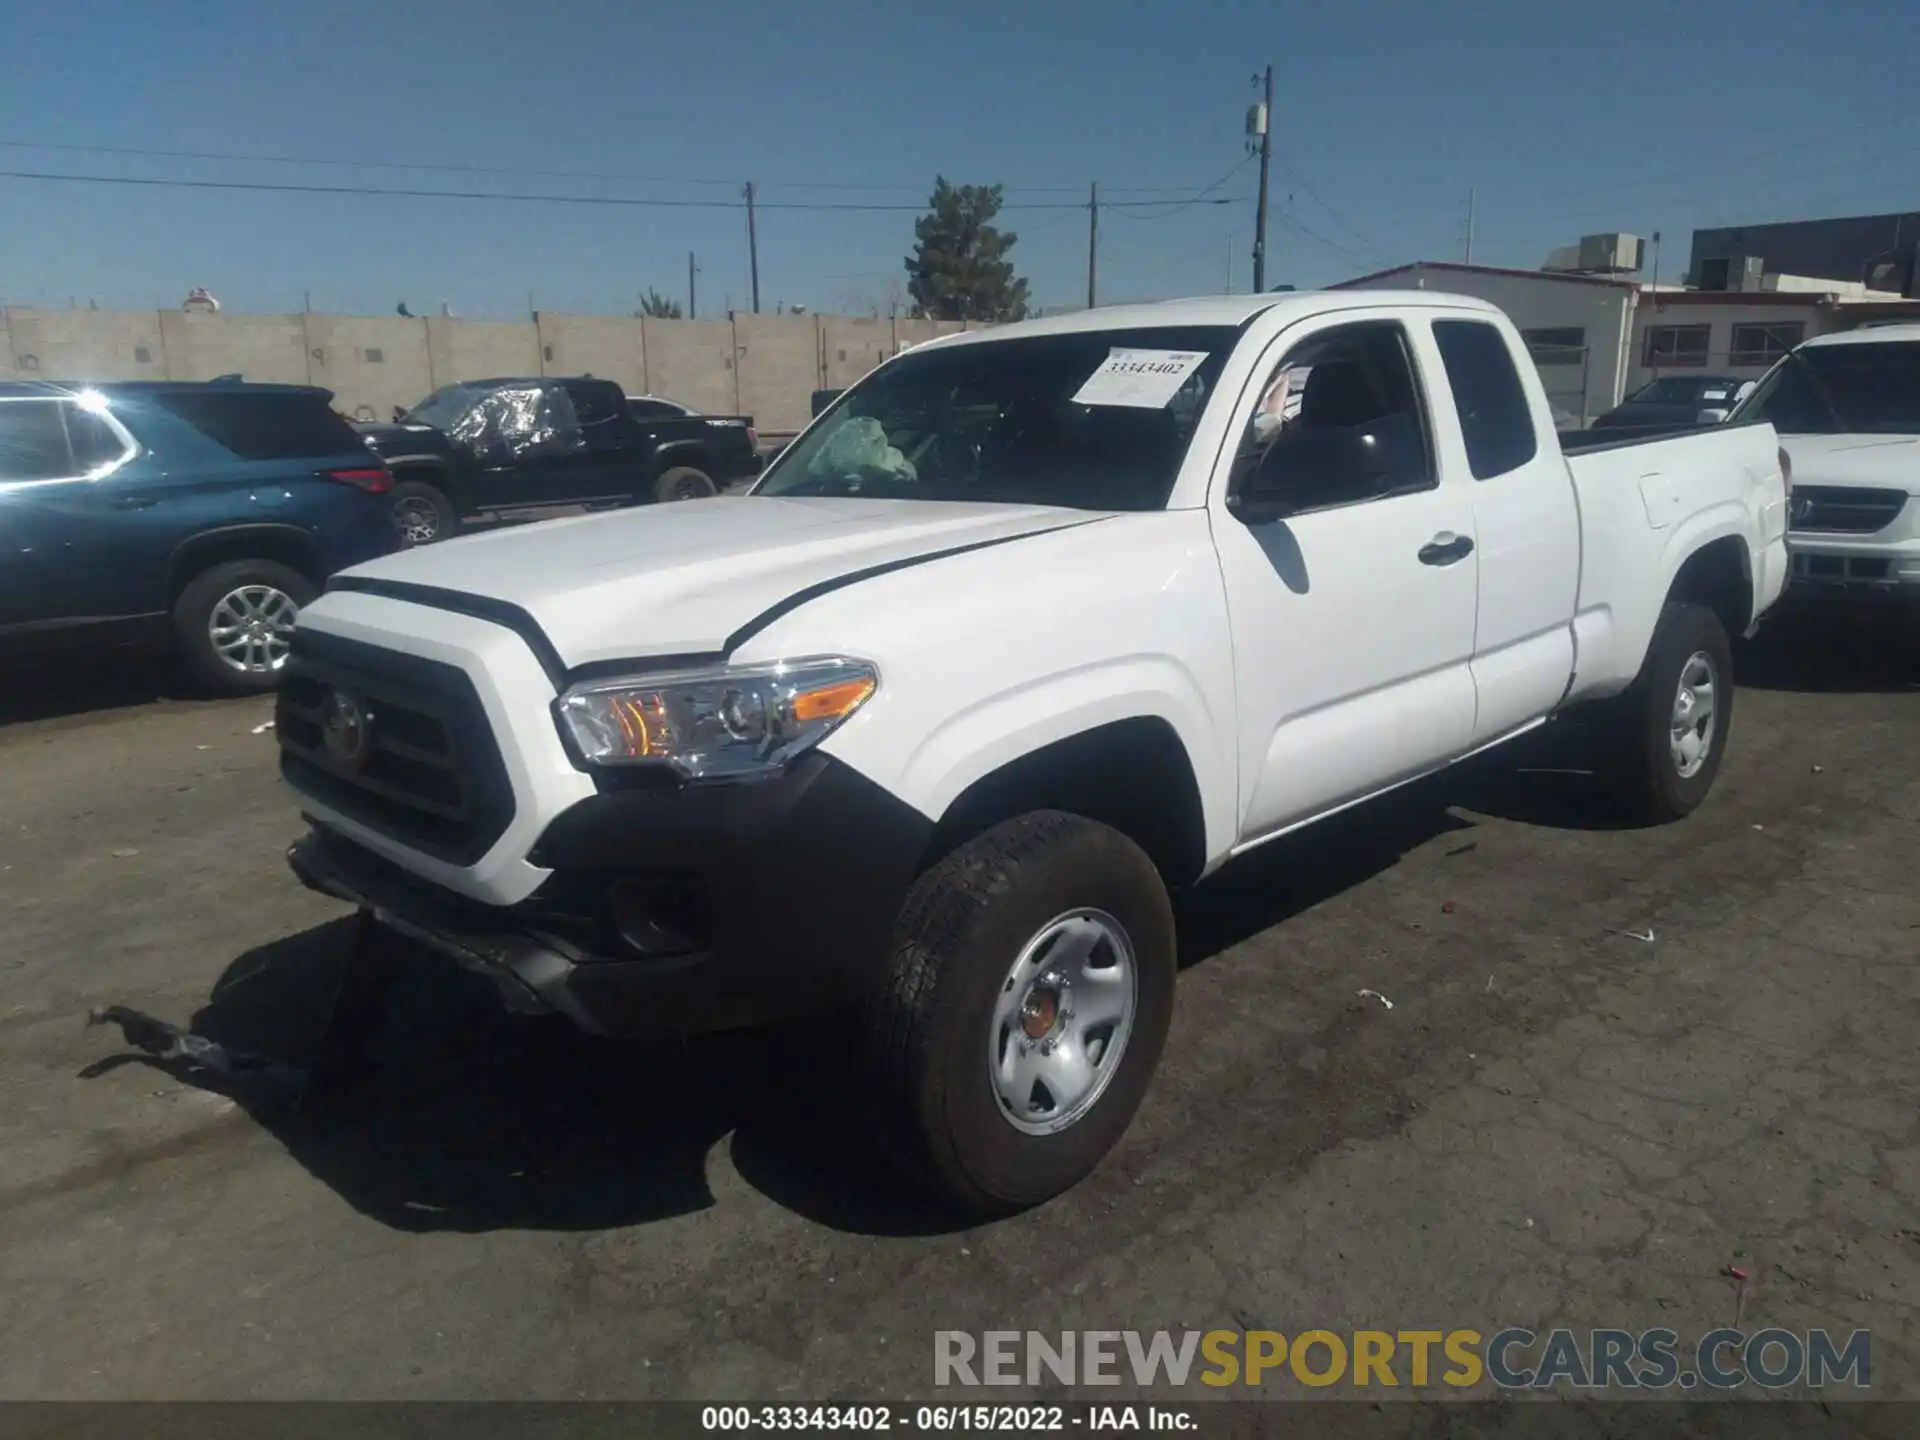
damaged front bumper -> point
(533, 974)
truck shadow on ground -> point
(446, 1115)
(1832, 653)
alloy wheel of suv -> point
(251, 628)
(233, 623)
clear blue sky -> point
(1629, 115)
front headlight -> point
(720, 721)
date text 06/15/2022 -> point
(947, 1419)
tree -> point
(655, 306)
(959, 270)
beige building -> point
(1741, 333)
(1596, 339)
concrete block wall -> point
(365, 359)
(610, 346)
(691, 361)
(766, 366)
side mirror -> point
(399, 413)
(1312, 469)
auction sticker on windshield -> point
(1140, 379)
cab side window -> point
(1338, 421)
(1494, 419)
(597, 410)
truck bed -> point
(1581, 442)
(1645, 501)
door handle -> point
(1446, 548)
(134, 502)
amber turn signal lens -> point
(830, 702)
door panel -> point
(1352, 653)
(1351, 656)
(1526, 521)
(530, 450)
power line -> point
(457, 169)
(288, 188)
(1293, 224)
(1199, 199)
(1301, 182)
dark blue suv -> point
(199, 514)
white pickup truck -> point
(1847, 409)
(1028, 627)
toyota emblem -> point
(346, 727)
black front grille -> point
(1842, 510)
(428, 773)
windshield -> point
(1025, 422)
(1872, 387)
(442, 407)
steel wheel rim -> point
(252, 628)
(1061, 1021)
(417, 520)
(1695, 705)
(692, 489)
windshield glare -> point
(1838, 389)
(441, 408)
(996, 421)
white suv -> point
(1847, 409)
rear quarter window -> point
(264, 425)
(1494, 419)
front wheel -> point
(1671, 727)
(1022, 1012)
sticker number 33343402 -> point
(1139, 379)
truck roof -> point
(497, 381)
(1232, 310)
(1868, 335)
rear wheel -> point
(1023, 1010)
(683, 482)
(421, 514)
(1670, 729)
(234, 623)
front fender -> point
(931, 765)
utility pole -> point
(753, 250)
(1093, 240)
(691, 272)
(1472, 196)
(1229, 289)
(1263, 118)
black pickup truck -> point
(492, 451)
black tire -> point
(1650, 779)
(193, 618)
(421, 514)
(683, 482)
(929, 1022)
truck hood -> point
(1874, 462)
(684, 578)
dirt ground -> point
(1555, 1123)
